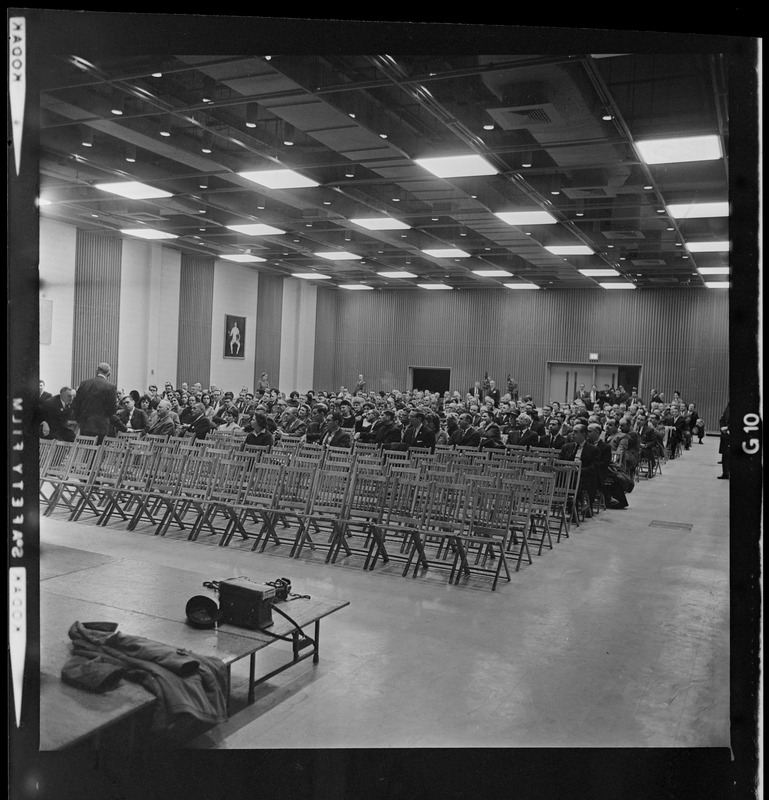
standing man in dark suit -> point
(58, 421)
(493, 393)
(723, 445)
(43, 394)
(417, 434)
(95, 403)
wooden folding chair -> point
(291, 502)
(542, 486)
(406, 506)
(78, 471)
(325, 510)
(487, 535)
(54, 469)
(162, 486)
(567, 475)
(226, 489)
(256, 505)
(520, 491)
(364, 508)
(436, 539)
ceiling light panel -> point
(255, 229)
(338, 255)
(600, 273)
(617, 285)
(433, 286)
(457, 166)
(717, 284)
(521, 286)
(148, 233)
(698, 210)
(680, 150)
(493, 273)
(570, 250)
(396, 274)
(133, 190)
(279, 179)
(526, 217)
(447, 252)
(707, 247)
(309, 276)
(243, 258)
(380, 224)
(713, 270)
(355, 287)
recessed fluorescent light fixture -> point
(707, 247)
(680, 149)
(527, 217)
(698, 210)
(396, 274)
(133, 190)
(457, 166)
(433, 286)
(355, 287)
(244, 258)
(598, 273)
(521, 285)
(447, 252)
(570, 250)
(493, 273)
(278, 178)
(713, 270)
(380, 223)
(339, 255)
(617, 285)
(148, 233)
(309, 276)
(717, 284)
(255, 229)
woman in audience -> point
(149, 407)
(230, 423)
(205, 399)
(260, 435)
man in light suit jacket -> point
(95, 403)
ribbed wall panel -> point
(680, 338)
(96, 316)
(269, 305)
(325, 336)
(196, 304)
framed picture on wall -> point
(234, 336)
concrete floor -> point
(618, 637)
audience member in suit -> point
(553, 437)
(493, 393)
(200, 425)
(95, 403)
(58, 421)
(465, 435)
(387, 432)
(476, 391)
(600, 466)
(582, 450)
(336, 435)
(131, 418)
(522, 434)
(492, 438)
(417, 434)
(163, 424)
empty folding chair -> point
(404, 512)
(292, 501)
(324, 511)
(487, 536)
(542, 486)
(256, 506)
(55, 468)
(364, 508)
(567, 474)
(68, 487)
(228, 485)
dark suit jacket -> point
(260, 439)
(94, 404)
(386, 434)
(139, 421)
(201, 427)
(340, 438)
(547, 440)
(57, 418)
(527, 438)
(470, 437)
(419, 437)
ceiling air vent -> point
(625, 235)
(649, 262)
(587, 192)
(527, 116)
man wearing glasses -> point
(132, 418)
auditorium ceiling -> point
(559, 146)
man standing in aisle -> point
(95, 403)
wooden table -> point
(145, 600)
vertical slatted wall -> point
(96, 305)
(269, 311)
(680, 338)
(325, 339)
(196, 303)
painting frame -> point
(234, 336)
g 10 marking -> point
(750, 424)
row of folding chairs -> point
(252, 493)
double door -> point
(564, 379)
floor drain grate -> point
(676, 526)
